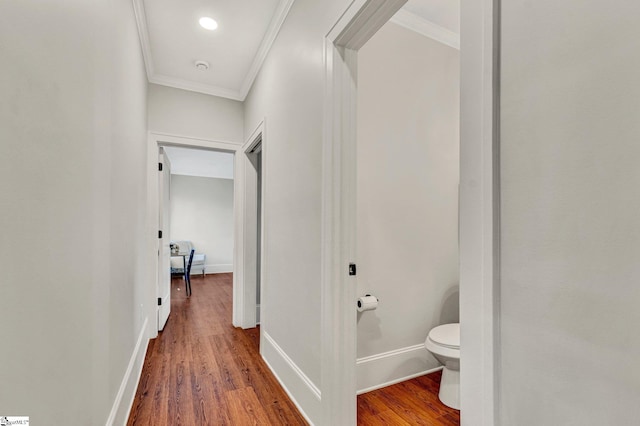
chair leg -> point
(184, 267)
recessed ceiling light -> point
(208, 23)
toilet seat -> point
(444, 344)
(447, 335)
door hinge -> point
(159, 234)
(352, 269)
(159, 301)
(159, 167)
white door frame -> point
(156, 140)
(248, 313)
(480, 212)
(478, 205)
(164, 249)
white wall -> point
(202, 212)
(570, 205)
(72, 179)
(288, 94)
(407, 198)
(184, 113)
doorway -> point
(241, 303)
(478, 208)
(407, 162)
(196, 214)
(253, 153)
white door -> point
(164, 250)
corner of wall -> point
(388, 368)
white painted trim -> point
(192, 86)
(171, 139)
(238, 250)
(129, 384)
(253, 140)
(389, 354)
(269, 38)
(247, 317)
(387, 368)
(279, 16)
(306, 396)
(258, 314)
(426, 28)
(361, 21)
(312, 387)
(264, 288)
(399, 380)
(143, 34)
(218, 268)
(479, 213)
(353, 28)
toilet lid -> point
(446, 335)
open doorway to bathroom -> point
(406, 243)
(413, 111)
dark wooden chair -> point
(187, 272)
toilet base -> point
(450, 388)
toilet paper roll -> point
(367, 303)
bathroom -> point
(407, 202)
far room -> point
(200, 208)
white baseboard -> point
(120, 412)
(218, 268)
(302, 391)
(388, 368)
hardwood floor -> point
(414, 402)
(203, 371)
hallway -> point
(201, 370)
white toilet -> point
(444, 343)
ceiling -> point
(199, 162)
(172, 40)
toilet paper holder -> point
(367, 303)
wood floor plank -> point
(390, 418)
(244, 408)
(449, 420)
(427, 396)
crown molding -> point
(193, 86)
(276, 23)
(143, 34)
(426, 28)
(269, 38)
